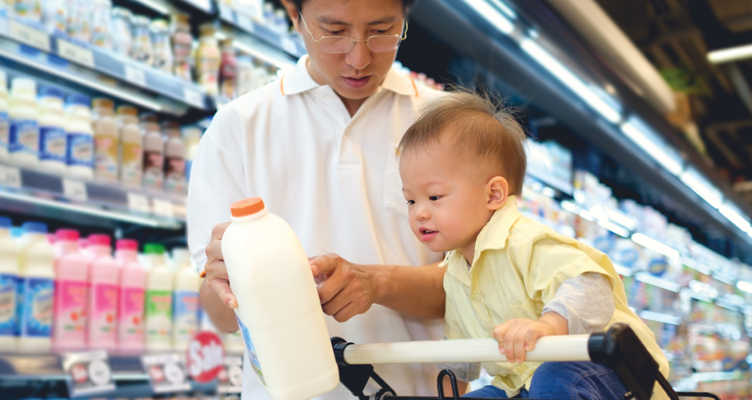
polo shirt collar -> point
(298, 80)
(494, 235)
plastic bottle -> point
(106, 141)
(159, 287)
(131, 147)
(207, 60)
(53, 143)
(55, 15)
(36, 291)
(122, 38)
(162, 50)
(132, 283)
(191, 138)
(181, 46)
(153, 153)
(23, 137)
(103, 295)
(80, 157)
(185, 309)
(282, 325)
(8, 289)
(101, 24)
(228, 73)
(4, 117)
(245, 75)
(142, 49)
(28, 9)
(174, 159)
(71, 293)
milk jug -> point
(159, 287)
(8, 281)
(71, 293)
(132, 283)
(36, 290)
(104, 294)
(278, 312)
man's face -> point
(359, 72)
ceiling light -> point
(660, 152)
(730, 54)
(493, 16)
(735, 216)
(702, 187)
(655, 245)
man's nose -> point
(359, 57)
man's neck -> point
(352, 105)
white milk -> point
(36, 290)
(279, 312)
(185, 309)
(131, 146)
(153, 153)
(4, 118)
(174, 172)
(191, 138)
(158, 314)
(53, 143)
(80, 136)
(8, 290)
(23, 136)
(106, 141)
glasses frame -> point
(402, 37)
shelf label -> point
(289, 46)
(88, 373)
(29, 36)
(245, 23)
(135, 75)
(204, 359)
(74, 190)
(163, 208)
(226, 13)
(10, 176)
(166, 373)
(75, 53)
(138, 202)
(230, 379)
(193, 97)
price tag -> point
(29, 36)
(88, 373)
(230, 379)
(163, 208)
(10, 176)
(75, 53)
(136, 76)
(193, 97)
(226, 12)
(289, 46)
(166, 373)
(245, 23)
(138, 202)
(74, 190)
(204, 357)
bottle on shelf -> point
(181, 46)
(28, 9)
(23, 137)
(132, 284)
(142, 49)
(80, 157)
(131, 147)
(228, 72)
(71, 293)
(79, 21)
(101, 24)
(104, 294)
(185, 310)
(244, 75)
(8, 283)
(207, 60)
(106, 140)
(153, 153)
(122, 36)
(159, 287)
(53, 143)
(162, 50)
(55, 16)
(36, 274)
(4, 117)
(191, 138)
(174, 158)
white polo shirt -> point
(334, 179)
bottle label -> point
(251, 350)
(36, 308)
(153, 170)
(131, 314)
(23, 136)
(80, 150)
(8, 291)
(103, 313)
(186, 315)
(105, 157)
(70, 310)
(159, 315)
(52, 144)
(132, 164)
(175, 177)
(4, 130)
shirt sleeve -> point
(574, 302)
(216, 180)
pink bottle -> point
(132, 283)
(71, 287)
(104, 294)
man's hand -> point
(518, 336)
(216, 271)
(345, 289)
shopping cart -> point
(618, 348)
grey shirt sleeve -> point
(586, 302)
(465, 372)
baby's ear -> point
(497, 191)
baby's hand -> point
(518, 336)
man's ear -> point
(497, 191)
(292, 12)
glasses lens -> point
(380, 44)
(336, 44)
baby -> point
(462, 166)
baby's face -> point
(446, 199)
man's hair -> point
(406, 4)
(481, 130)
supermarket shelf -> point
(657, 282)
(84, 65)
(622, 270)
(83, 202)
(660, 317)
(246, 24)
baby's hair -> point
(480, 128)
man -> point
(320, 148)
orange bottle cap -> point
(246, 207)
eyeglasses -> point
(343, 44)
